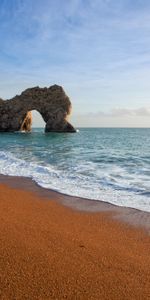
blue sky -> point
(98, 50)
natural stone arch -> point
(52, 103)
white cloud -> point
(118, 112)
(117, 117)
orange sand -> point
(48, 251)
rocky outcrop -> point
(52, 103)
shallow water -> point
(105, 164)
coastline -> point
(54, 246)
(128, 215)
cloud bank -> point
(117, 117)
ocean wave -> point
(76, 180)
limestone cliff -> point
(52, 103)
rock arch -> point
(52, 103)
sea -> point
(105, 164)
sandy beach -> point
(51, 251)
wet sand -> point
(49, 250)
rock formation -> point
(52, 103)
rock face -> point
(52, 103)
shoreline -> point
(49, 250)
(131, 216)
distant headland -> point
(52, 103)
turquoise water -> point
(111, 165)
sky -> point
(98, 50)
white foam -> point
(76, 183)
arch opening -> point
(32, 120)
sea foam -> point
(82, 178)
